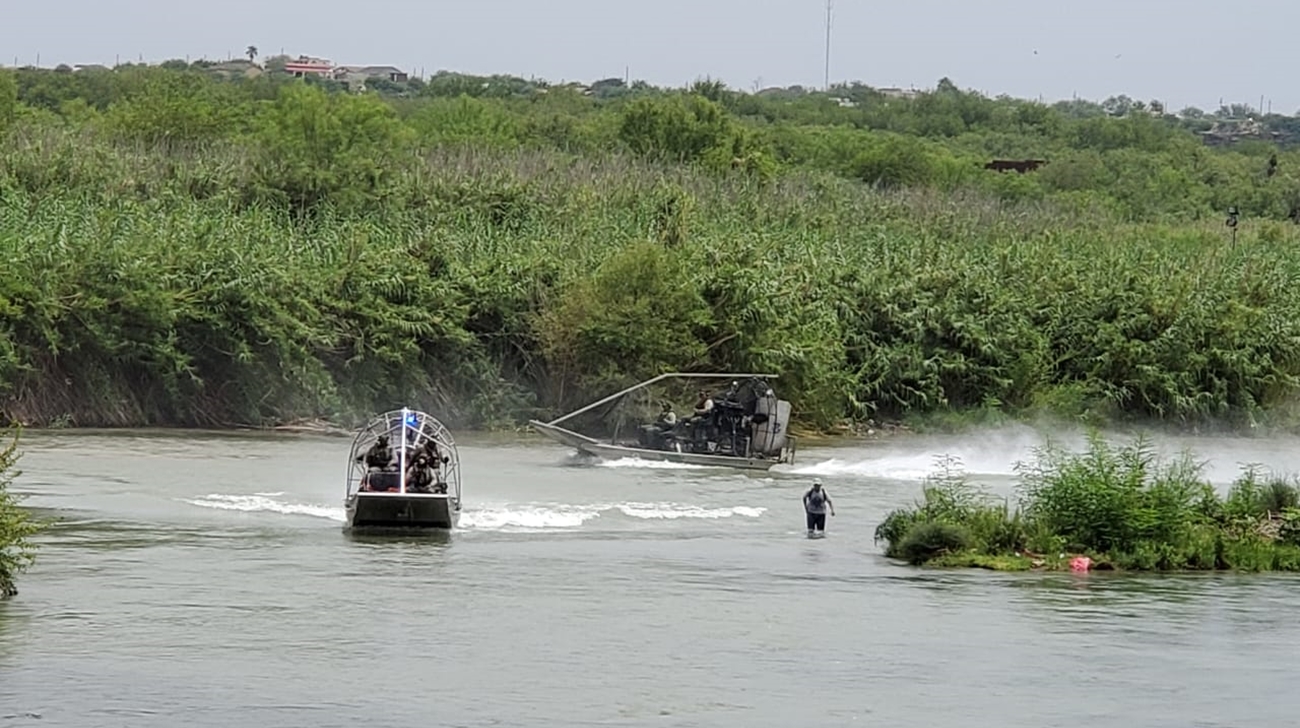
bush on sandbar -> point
(1121, 505)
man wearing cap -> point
(815, 503)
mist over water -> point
(205, 580)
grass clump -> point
(1120, 505)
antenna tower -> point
(827, 78)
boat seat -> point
(383, 480)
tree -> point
(251, 52)
(316, 146)
(681, 127)
(16, 525)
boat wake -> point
(901, 467)
(898, 468)
(523, 518)
(651, 464)
(267, 503)
(562, 517)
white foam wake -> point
(905, 467)
(677, 510)
(651, 464)
(506, 517)
(266, 502)
(915, 467)
(563, 517)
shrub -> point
(927, 540)
(17, 526)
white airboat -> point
(403, 473)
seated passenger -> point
(431, 451)
(379, 455)
(657, 435)
(667, 418)
(419, 476)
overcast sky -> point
(1191, 52)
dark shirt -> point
(815, 500)
(378, 456)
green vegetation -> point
(1119, 505)
(16, 525)
(190, 246)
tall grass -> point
(165, 284)
(1119, 504)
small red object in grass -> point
(1080, 563)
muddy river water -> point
(202, 579)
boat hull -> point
(613, 452)
(402, 511)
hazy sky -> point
(1192, 52)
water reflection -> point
(388, 538)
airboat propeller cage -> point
(754, 398)
(407, 430)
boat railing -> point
(408, 431)
(654, 380)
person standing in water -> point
(815, 503)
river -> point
(203, 579)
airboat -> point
(740, 424)
(403, 473)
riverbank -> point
(1117, 506)
(261, 276)
(249, 318)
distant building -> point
(308, 66)
(361, 74)
(898, 93)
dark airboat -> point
(412, 481)
(746, 427)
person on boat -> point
(657, 435)
(703, 405)
(667, 418)
(700, 424)
(436, 459)
(430, 450)
(379, 455)
(419, 476)
(815, 503)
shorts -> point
(817, 521)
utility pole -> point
(827, 79)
